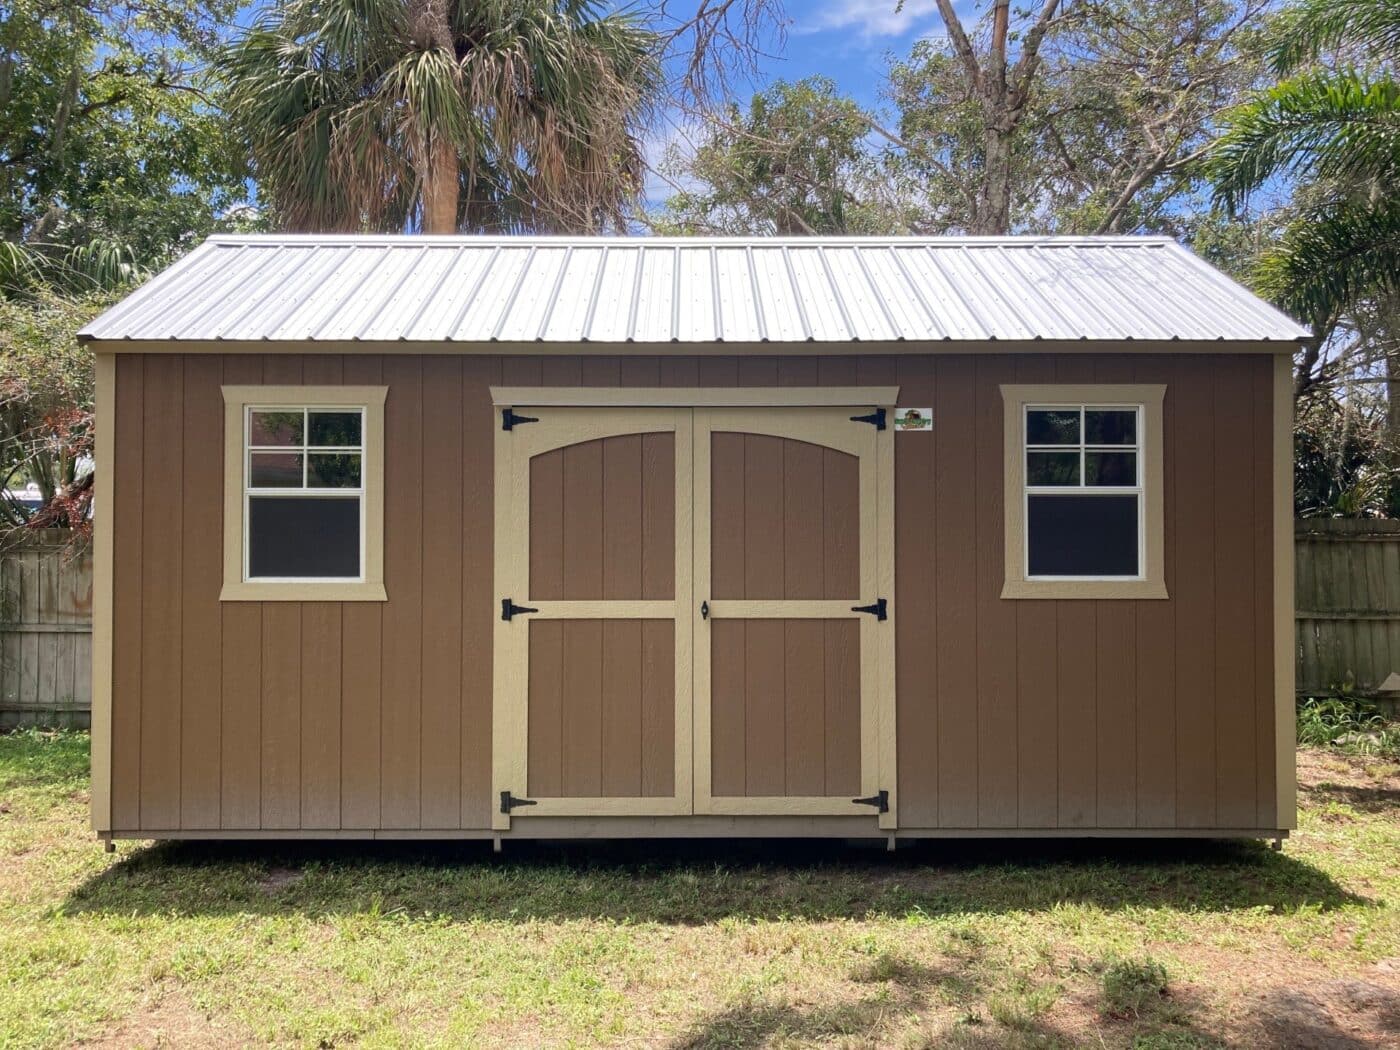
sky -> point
(849, 41)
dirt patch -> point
(168, 1020)
(279, 879)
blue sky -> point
(849, 41)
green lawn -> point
(732, 945)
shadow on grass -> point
(692, 882)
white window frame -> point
(239, 404)
(1083, 488)
(304, 491)
(1148, 399)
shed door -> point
(593, 538)
(788, 693)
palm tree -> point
(1336, 132)
(441, 115)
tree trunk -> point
(994, 195)
(441, 188)
(430, 29)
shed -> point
(470, 537)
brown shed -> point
(475, 537)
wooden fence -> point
(1348, 604)
(1348, 601)
(45, 629)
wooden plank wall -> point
(1348, 587)
(1034, 714)
(45, 629)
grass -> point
(690, 945)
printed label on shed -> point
(913, 419)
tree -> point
(1106, 122)
(444, 114)
(796, 163)
(113, 155)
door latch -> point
(880, 610)
(509, 802)
(880, 800)
(704, 610)
(509, 609)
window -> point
(303, 493)
(1083, 491)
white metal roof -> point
(420, 289)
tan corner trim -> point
(887, 749)
(371, 588)
(1014, 399)
(1285, 709)
(103, 526)
(692, 397)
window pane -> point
(301, 536)
(274, 470)
(275, 428)
(1052, 426)
(1110, 426)
(1110, 468)
(335, 428)
(1052, 468)
(1083, 535)
(333, 470)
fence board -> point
(45, 629)
(1348, 605)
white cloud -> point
(674, 134)
(869, 18)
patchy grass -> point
(1022, 944)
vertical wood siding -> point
(1032, 714)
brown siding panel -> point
(1011, 713)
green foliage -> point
(1333, 130)
(1349, 724)
(1133, 986)
(46, 393)
(1341, 459)
(114, 156)
(797, 162)
(346, 106)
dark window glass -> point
(1110, 426)
(1052, 426)
(333, 470)
(1082, 535)
(274, 470)
(335, 428)
(1052, 468)
(275, 428)
(297, 536)
(1110, 468)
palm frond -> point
(1339, 254)
(1317, 125)
(1316, 26)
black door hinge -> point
(880, 800)
(509, 802)
(509, 609)
(875, 419)
(509, 419)
(880, 610)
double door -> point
(695, 612)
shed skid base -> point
(563, 828)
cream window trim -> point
(1149, 397)
(692, 397)
(370, 588)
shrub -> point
(1130, 986)
(1347, 723)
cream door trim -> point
(830, 428)
(691, 397)
(558, 428)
